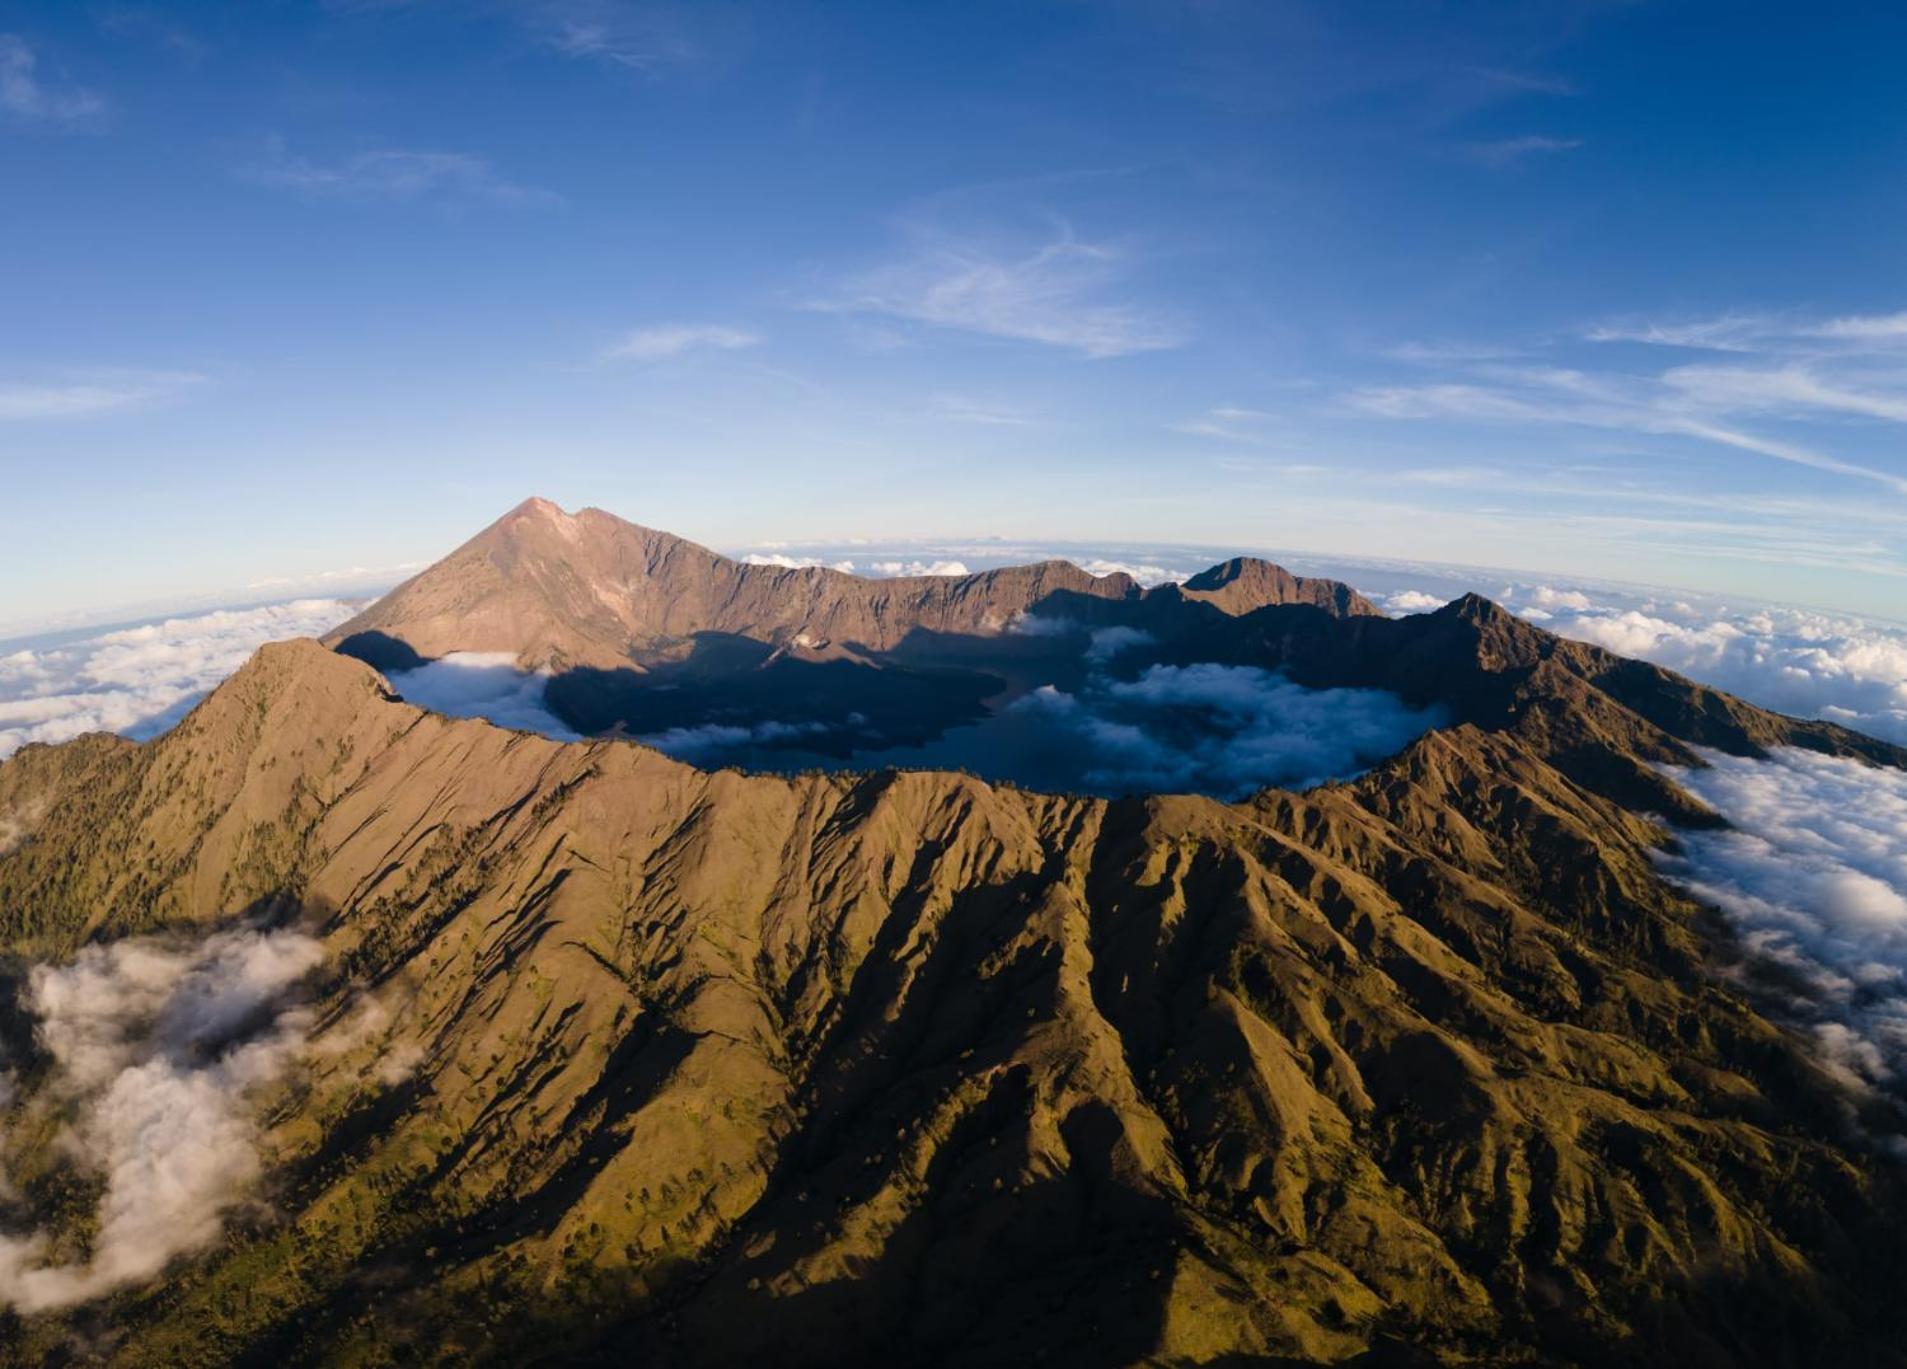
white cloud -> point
(393, 174)
(155, 1046)
(26, 96)
(91, 394)
(1546, 597)
(668, 340)
(1411, 601)
(895, 569)
(482, 684)
(1145, 572)
(141, 680)
(786, 562)
(1053, 293)
(1789, 390)
(1814, 877)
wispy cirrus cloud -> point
(1891, 328)
(641, 37)
(392, 174)
(673, 339)
(1727, 333)
(89, 394)
(1762, 332)
(1057, 291)
(961, 410)
(644, 36)
(27, 96)
(150, 26)
(1504, 152)
(1228, 423)
(1795, 374)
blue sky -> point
(1591, 289)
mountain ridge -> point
(561, 590)
(613, 1057)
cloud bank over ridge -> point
(139, 681)
(1814, 878)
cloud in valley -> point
(1814, 878)
(708, 743)
(1218, 729)
(482, 684)
(156, 1044)
(141, 680)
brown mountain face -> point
(561, 590)
(1245, 583)
(909, 1068)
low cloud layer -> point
(1217, 729)
(1814, 878)
(156, 1045)
(710, 742)
(1800, 661)
(141, 680)
(483, 684)
(1806, 662)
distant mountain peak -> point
(1247, 582)
(589, 588)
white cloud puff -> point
(483, 684)
(894, 569)
(141, 680)
(1547, 597)
(1410, 601)
(1147, 573)
(787, 562)
(1814, 877)
(155, 1046)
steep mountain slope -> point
(617, 1058)
(562, 590)
(1245, 583)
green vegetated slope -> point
(618, 1059)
